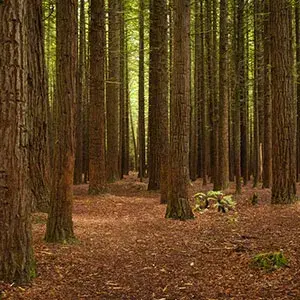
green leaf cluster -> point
(270, 261)
(222, 202)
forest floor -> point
(126, 249)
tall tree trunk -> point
(196, 115)
(60, 225)
(97, 172)
(223, 147)
(16, 254)
(124, 163)
(258, 86)
(215, 102)
(204, 100)
(178, 204)
(141, 125)
(239, 60)
(113, 91)
(297, 25)
(267, 103)
(78, 170)
(39, 156)
(283, 103)
(158, 97)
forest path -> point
(126, 249)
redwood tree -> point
(178, 204)
(283, 103)
(60, 225)
(97, 172)
(113, 91)
(16, 254)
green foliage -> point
(270, 261)
(222, 202)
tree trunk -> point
(16, 255)
(267, 104)
(283, 103)
(178, 204)
(223, 100)
(39, 157)
(60, 225)
(78, 170)
(297, 24)
(97, 174)
(113, 91)
(141, 125)
(158, 97)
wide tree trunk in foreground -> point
(178, 204)
(283, 103)
(16, 255)
(60, 225)
(97, 99)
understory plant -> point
(217, 199)
(270, 261)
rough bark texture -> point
(223, 100)
(158, 96)
(113, 91)
(60, 225)
(16, 255)
(78, 170)
(283, 103)
(178, 204)
(97, 172)
(39, 158)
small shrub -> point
(222, 202)
(270, 261)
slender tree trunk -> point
(297, 25)
(223, 99)
(283, 103)
(113, 91)
(16, 254)
(178, 205)
(60, 225)
(97, 172)
(141, 125)
(239, 60)
(78, 171)
(267, 103)
(204, 102)
(258, 86)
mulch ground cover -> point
(126, 249)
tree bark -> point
(97, 171)
(39, 156)
(283, 103)
(60, 224)
(178, 204)
(16, 255)
(223, 99)
(113, 91)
